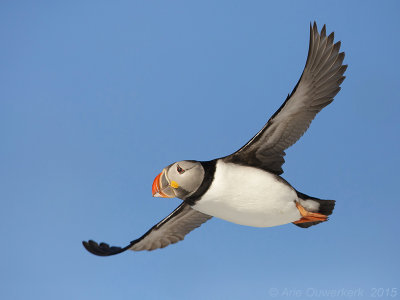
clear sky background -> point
(96, 97)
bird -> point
(246, 186)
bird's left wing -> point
(170, 230)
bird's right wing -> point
(318, 84)
(170, 230)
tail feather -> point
(312, 204)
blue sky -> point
(97, 97)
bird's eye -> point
(179, 169)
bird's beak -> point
(162, 187)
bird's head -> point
(180, 179)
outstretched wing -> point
(318, 84)
(169, 231)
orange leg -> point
(309, 216)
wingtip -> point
(315, 27)
(86, 245)
(323, 31)
(102, 249)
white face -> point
(185, 177)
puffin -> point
(246, 187)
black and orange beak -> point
(162, 187)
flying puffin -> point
(245, 187)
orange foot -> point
(309, 216)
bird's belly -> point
(249, 196)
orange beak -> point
(161, 186)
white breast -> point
(248, 196)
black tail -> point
(312, 204)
